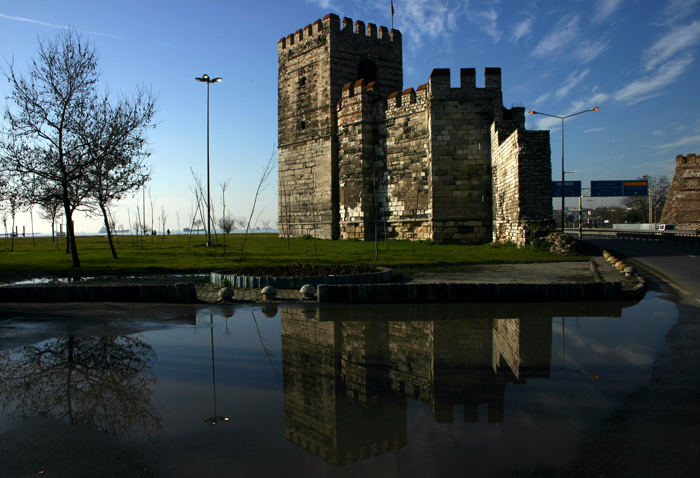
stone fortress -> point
(361, 157)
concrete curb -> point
(171, 293)
(248, 282)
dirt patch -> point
(303, 270)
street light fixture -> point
(205, 79)
(562, 118)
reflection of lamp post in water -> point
(216, 418)
(563, 356)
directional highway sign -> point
(619, 188)
(572, 189)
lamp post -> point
(562, 118)
(205, 79)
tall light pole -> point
(205, 79)
(562, 118)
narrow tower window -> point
(302, 80)
(367, 69)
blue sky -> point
(635, 59)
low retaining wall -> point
(246, 282)
(468, 292)
(173, 293)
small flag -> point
(392, 8)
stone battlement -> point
(332, 23)
(440, 80)
(690, 160)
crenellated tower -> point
(314, 64)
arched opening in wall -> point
(368, 70)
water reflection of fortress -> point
(346, 382)
(348, 372)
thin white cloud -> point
(53, 25)
(592, 130)
(680, 9)
(557, 40)
(545, 122)
(488, 22)
(653, 84)
(522, 29)
(542, 98)
(427, 20)
(327, 4)
(605, 8)
(571, 81)
(692, 140)
(587, 103)
(33, 21)
(598, 99)
(673, 42)
(590, 50)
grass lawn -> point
(182, 253)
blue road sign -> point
(572, 189)
(619, 188)
(635, 188)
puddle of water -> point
(436, 390)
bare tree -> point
(153, 205)
(226, 224)
(285, 212)
(163, 218)
(200, 197)
(49, 201)
(658, 187)
(40, 140)
(313, 209)
(52, 118)
(267, 169)
(4, 222)
(114, 135)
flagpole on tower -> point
(392, 14)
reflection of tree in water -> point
(100, 381)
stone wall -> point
(683, 203)
(408, 165)
(461, 153)
(521, 179)
(356, 161)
